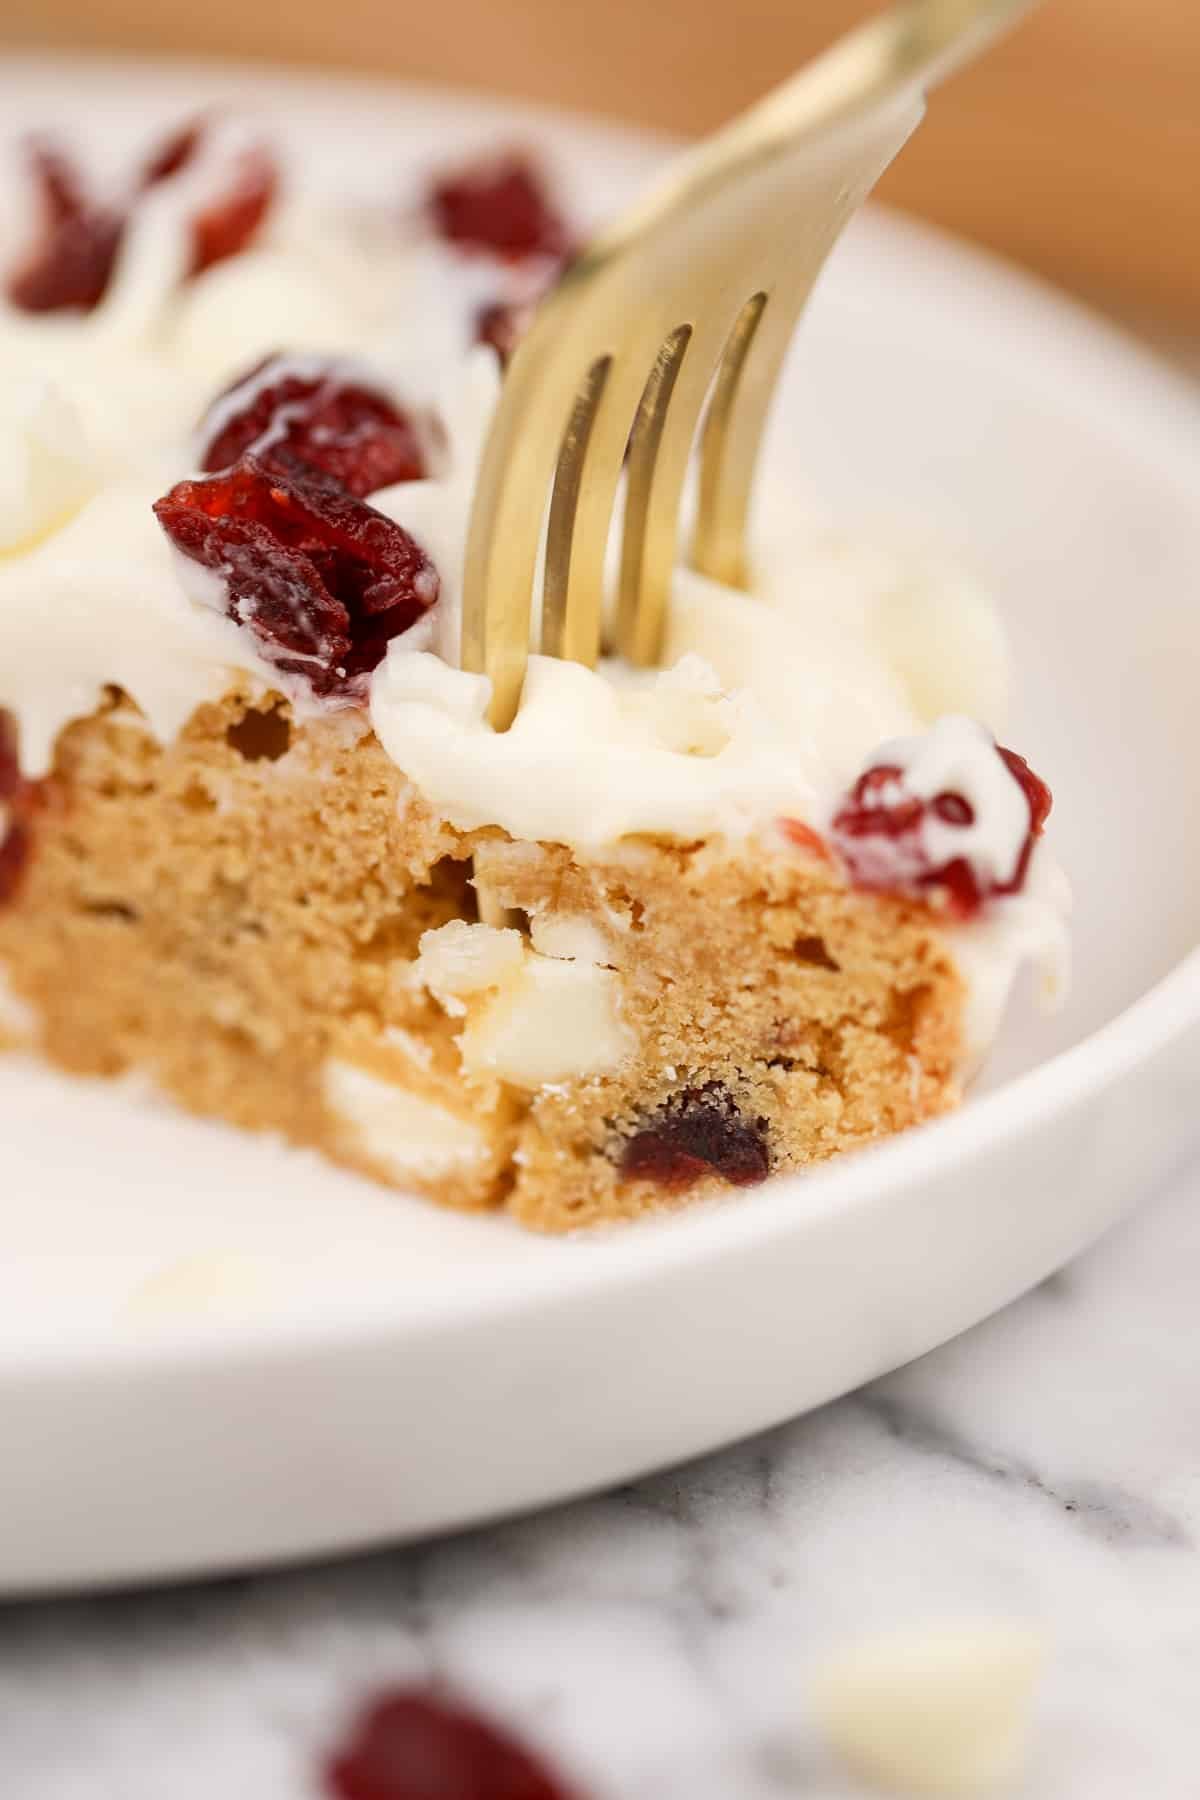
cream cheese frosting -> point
(768, 704)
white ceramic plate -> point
(214, 1352)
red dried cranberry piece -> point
(501, 325)
(698, 1132)
(173, 154)
(805, 838)
(10, 765)
(232, 218)
(72, 264)
(501, 206)
(15, 846)
(16, 796)
(1040, 802)
(878, 831)
(412, 1744)
(60, 187)
(323, 580)
(347, 430)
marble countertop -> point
(657, 1641)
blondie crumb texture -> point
(241, 916)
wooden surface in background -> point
(1075, 146)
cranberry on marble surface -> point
(416, 1744)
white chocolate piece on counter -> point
(406, 1135)
(936, 1710)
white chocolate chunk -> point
(569, 936)
(556, 1021)
(459, 958)
(404, 1133)
(936, 1711)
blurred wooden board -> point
(1075, 146)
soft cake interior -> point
(241, 915)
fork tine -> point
(585, 487)
(729, 442)
(502, 548)
(755, 212)
(659, 453)
(576, 548)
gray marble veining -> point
(656, 1641)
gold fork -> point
(692, 297)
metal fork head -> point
(692, 298)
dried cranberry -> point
(15, 846)
(173, 154)
(500, 206)
(226, 225)
(412, 1744)
(60, 187)
(345, 429)
(72, 264)
(698, 1132)
(878, 831)
(502, 325)
(322, 579)
(805, 838)
(10, 766)
(16, 796)
(1040, 801)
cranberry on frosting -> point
(315, 410)
(321, 580)
(499, 205)
(70, 267)
(951, 816)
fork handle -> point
(913, 45)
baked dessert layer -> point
(241, 914)
(673, 931)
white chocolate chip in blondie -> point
(461, 958)
(933, 1711)
(557, 1021)
(406, 1134)
(569, 936)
